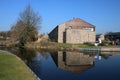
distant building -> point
(100, 38)
(74, 31)
(113, 36)
(44, 37)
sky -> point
(104, 14)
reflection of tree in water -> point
(36, 61)
(44, 55)
(26, 54)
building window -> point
(91, 29)
(70, 27)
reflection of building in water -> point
(74, 62)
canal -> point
(62, 65)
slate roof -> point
(78, 23)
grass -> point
(59, 46)
(12, 68)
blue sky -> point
(104, 14)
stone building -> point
(74, 31)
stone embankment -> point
(102, 49)
(112, 49)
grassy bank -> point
(12, 68)
(55, 44)
(58, 46)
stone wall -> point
(77, 36)
(61, 30)
(53, 35)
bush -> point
(89, 44)
(105, 43)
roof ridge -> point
(80, 20)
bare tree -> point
(16, 30)
(27, 26)
(30, 18)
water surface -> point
(77, 66)
(61, 65)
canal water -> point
(61, 65)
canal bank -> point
(102, 49)
(110, 49)
(72, 47)
(52, 46)
(12, 67)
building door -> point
(64, 37)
